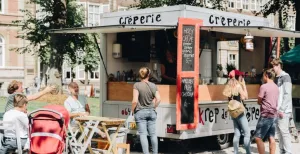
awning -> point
(112, 29)
(292, 56)
(254, 31)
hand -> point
(280, 114)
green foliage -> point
(219, 67)
(230, 67)
(53, 49)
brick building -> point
(13, 65)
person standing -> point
(145, 99)
(268, 100)
(283, 81)
(236, 89)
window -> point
(253, 5)
(232, 59)
(231, 4)
(94, 12)
(94, 15)
(246, 4)
(80, 72)
(239, 4)
(95, 74)
(291, 23)
(1, 6)
(66, 72)
(2, 52)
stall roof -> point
(253, 30)
(112, 29)
(241, 30)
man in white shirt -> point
(19, 117)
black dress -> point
(170, 71)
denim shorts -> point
(265, 128)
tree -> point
(282, 7)
(52, 49)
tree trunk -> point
(297, 8)
(86, 79)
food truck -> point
(203, 39)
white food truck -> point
(135, 38)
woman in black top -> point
(236, 89)
(169, 69)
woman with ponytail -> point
(16, 87)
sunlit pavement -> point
(295, 150)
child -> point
(19, 117)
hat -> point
(234, 73)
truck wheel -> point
(223, 140)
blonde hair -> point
(232, 88)
(20, 100)
(13, 86)
(144, 72)
(270, 73)
(276, 62)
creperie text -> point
(224, 21)
(146, 19)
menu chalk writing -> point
(188, 47)
(187, 100)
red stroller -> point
(48, 130)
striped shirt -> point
(10, 101)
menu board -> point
(188, 39)
(187, 100)
(188, 47)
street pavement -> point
(295, 150)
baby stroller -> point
(48, 129)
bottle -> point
(118, 76)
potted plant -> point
(220, 72)
(230, 67)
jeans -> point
(265, 128)
(282, 129)
(146, 123)
(11, 144)
(240, 125)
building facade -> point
(14, 66)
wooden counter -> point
(122, 91)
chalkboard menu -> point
(188, 47)
(187, 100)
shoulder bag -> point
(235, 108)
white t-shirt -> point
(75, 106)
(21, 119)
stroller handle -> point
(49, 110)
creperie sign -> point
(159, 18)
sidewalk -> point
(295, 150)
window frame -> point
(291, 25)
(245, 3)
(230, 2)
(236, 60)
(93, 14)
(2, 46)
(2, 6)
(66, 69)
(94, 72)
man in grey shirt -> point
(283, 81)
